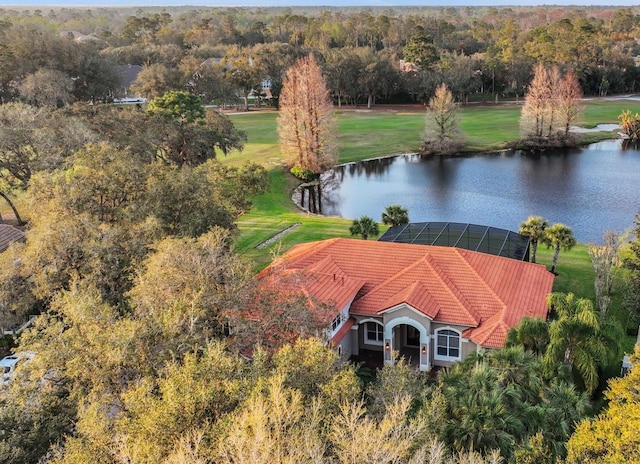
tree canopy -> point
(178, 106)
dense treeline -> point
(221, 54)
(154, 344)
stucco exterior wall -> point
(362, 343)
(405, 315)
(345, 347)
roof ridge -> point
(393, 277)
(319, 265)
(404, 295)
(477, 274)
(446, 280)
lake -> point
(591, 189)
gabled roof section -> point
(486, 293)
(492, 334)
(415, 295)
(423, 286)
(326, 266)
(330, 288)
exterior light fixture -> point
(424, 350)
(386, 346)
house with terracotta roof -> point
(432, 304)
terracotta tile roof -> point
(8, 235)
(334, 289)
(489, 294)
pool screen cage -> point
(491, 240)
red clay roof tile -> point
(487, 293)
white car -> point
(7, 367)
(9, 363)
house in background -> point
(432, 304)
(128, 74)
(79, 37)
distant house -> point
(80, 37)
(265, 84)
(9, 235)
(128, 74)
(432, 304)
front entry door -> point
(412, 336)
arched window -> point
(447, 345)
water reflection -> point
(592, 189)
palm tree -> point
(530, 333)
(395, 215)
(565, 407)
(575, 338)
(478, 414)
(558, 236)
(365, 226)
(533, 228)
(519, 368)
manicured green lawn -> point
(490, 127)
(607, 111)
(364, 134)
(574, 271)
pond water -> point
(591, 189)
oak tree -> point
(243, 72)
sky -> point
(335, 3)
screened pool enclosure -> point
(491, 240)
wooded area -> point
(154, 344)
(368, 55)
